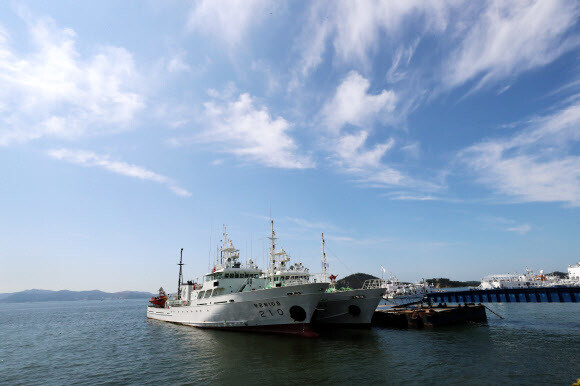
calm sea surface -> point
(106, 342)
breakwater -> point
(509, 295)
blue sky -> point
(434, 138)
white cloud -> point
(353, 158)
(90, 159)
(313, 224)
(227, 20)
(352, 104)
(508, 38)
(401, 59)
(53, 91)
(484, 41)
(521, 229)
(354, 28)
(537, 164)
(359, 241)
(350, 150)
(413, 198)
(270, 79)
(251, 133)
(177, 63)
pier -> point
(425, 316)
(511, 295)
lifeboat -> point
(160, 299)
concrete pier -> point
(512, 295)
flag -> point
(383, 269)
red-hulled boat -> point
(160, 299)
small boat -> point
(160, 299)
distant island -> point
(37, 295)
(444, 282)
(356, 280)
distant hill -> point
(36, 295)
(444, 282)
(355, 280)
(2, 296)
(560, 275)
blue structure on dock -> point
(509, 295)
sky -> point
(433, 138)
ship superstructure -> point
(399, 293)
(238, 297)
(530, 280)
(344, 306)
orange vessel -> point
(160, 299)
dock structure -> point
(429, 316)
(509, 295)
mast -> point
(224, 240)
(180, 280)
(272, 250)
(323, 260)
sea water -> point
(112, 342)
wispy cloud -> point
(90, 159)
(521, 229)
(404, 197)
(228, 21)
(359, 241)
(55, 91)
(250, 133)
(366, 165)
(535, 165)
(318, 225)
(509, 38)
(177, 63)
(354, 28)
(352, 105)
(491, 41)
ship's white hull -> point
(286, 309)
(400, 300)
(353, 307)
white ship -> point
(573, 279)
(238, 297)
(337, 306)
(399, 293)
(531, 280)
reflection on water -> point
(112, 341)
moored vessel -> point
(347, 306)
(337, 306)
(160, 299)
(399, 293)
(530, 280)
(239, 297)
